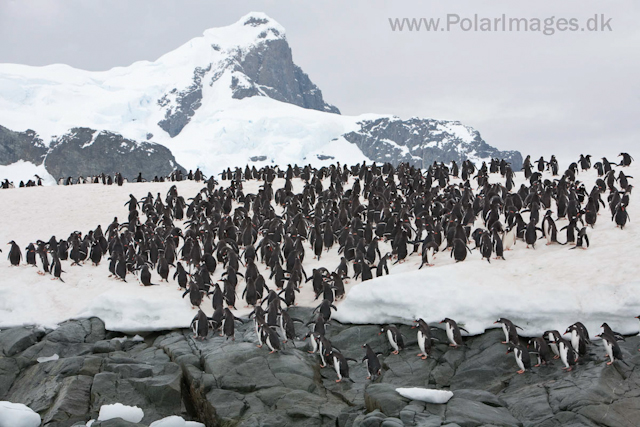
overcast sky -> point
(566, 93)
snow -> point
(118, 410)
(175, 421)
(25, 171)
(48, 359)
(550, 287)
(425, 395)
(17, 415)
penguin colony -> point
(403, 207)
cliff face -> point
(15, 146)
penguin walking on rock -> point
(541, 348)
(453, 332)
(567, 354)
(341, 365)
(374, 368)
(523, 359)
(395, 338)
(611, 347)
(200, 326)
(552, 338)
(424, 338)
(270, 337)
(510, 331)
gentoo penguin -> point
(228, 326)
(287, 326)
(258, 322)
(424, 338)
(583, 239)
(509, 237)
(195, 294)
(579, 338)
(567, 354)
(325, 309)
(56, 267)
(510, 330)
(522, 357)
(374, 368)
(145, 276)
(314, 341)
(611, 347)
(607, 330)
(30, 254)
(453, 332)
(270, 337)
(324, 349)
(14, 253)
(542, 350)
(200, 325)
(552, 338)
(395, 338)
(459, 250)
(341, 365)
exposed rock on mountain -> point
(423, 141)
(84, 152)
(15, 146)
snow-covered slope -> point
(550, 287)
(229, 97)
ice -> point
(48, 359)
(132, 414)
(175, 421)
(17, 415)
(425, 395)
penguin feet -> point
(556, 357)
(40, 273)
(369, 377)
(521, 371)
(420, 354)
(424, 357)
(338, 381)
(395, 352)
(453, 345)
(259, 345)
(610, 362)
(536, 366)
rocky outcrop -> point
(85, 152)
(221, 382)
(15, 146)
(420, 142)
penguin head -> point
(511, 348)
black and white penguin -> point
(14, 254)
(324, 349)
(542, 350)
(567, 354)
(522, 357)
(228, 325)
(200, 325)
(271, 338)
(314, 341)
(145, 276)
(287, 326)
(424, 338)
(579, 338)
(583, 239)
(30, 255)
(510, 330)
(552, 338)
(611, 347)
(509, 237)
(341, 365)
(607, 330)
(453, 332)
(374, 368)
(394, 336)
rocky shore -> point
(222, 382)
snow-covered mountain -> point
(230, 97)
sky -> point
(566, 93)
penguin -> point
(200, 326)
(579, 338)
(30, 255)
(287, 325)
(324, 349)
(145, 276)
(341, 365)
(607, 330)
(325, 309)
(314, 341)
(453, 332)
(582, 240)
(15, 255)
(395, 338)
(611, 347)
(459, 250)
(552, 338)
(374, 368)
(228, 326)
(542, 350)
(424, 338)
(510, 331)
(567, 354)
(56, 267)
(620, 216)
(509, 238)
(270, 337)
(195, 295)
(523, 359)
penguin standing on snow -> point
(228, 326)
(395, 338)
(453, 332)
(522, 357)
(30, 255)
(14, 253)
(510, 330)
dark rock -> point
(25, 146)
(116, 422)
(72, 402)
(16, 340)
(8, 373)
(420, 142)
(468, 413)
(385, 398)
(86, 152)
